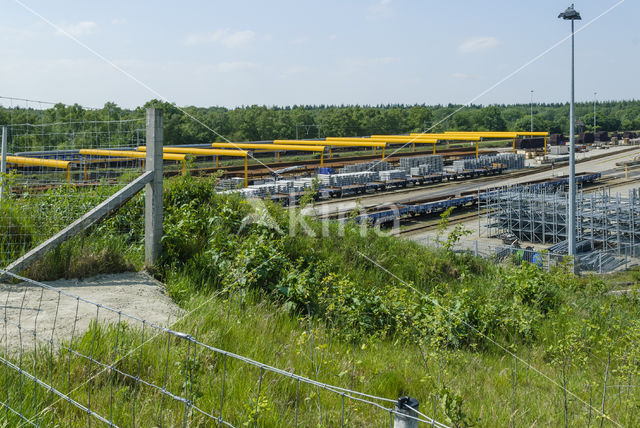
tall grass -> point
(312, 304)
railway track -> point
(257, 171)
(433, 223)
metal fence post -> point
(406, 406)
(3, 161)
(476, 248)
(600, 263)
(153, 190)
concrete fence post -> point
(406, 406)
(153, 190)
(3, 160)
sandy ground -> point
(56, 314)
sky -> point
(286, 52)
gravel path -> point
(26, 308)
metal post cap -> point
(407, 403)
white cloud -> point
(228, 67)
(300, 40)
(82, 28)
(478, 44)
(8, 34)
(295, 70)
(119, 21)
(333, 36)
(463, 76)
(225, 37)
(360, 64)
(379, 10)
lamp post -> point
(532, 112)
(594, 111)
(570, 14)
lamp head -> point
(570, 14)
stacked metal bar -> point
(422, 165)
(366, 167)
(393, 174)
(509, 160)
(347, 179)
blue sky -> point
(276, 52)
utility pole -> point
(532, 112)
(594, 111)
(570, 14)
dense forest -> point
(194, 125)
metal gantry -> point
(539, 215)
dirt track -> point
(52, 314)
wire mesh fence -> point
(49, 182)
(67, 358)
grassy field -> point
(478, 344)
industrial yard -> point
(325, 214)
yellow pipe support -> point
(199, 152)
(208, 152)
(533, 134)
(278, 156)
(476, 150)
(335, 142)
(545, 146)
(487, 134)
(131, 154)
(321, 159)
(49, 163)
(330, 155)
(271, 147)
(427, 137)
(430, 140)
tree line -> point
(200, 125)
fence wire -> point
(49, 182)
(68, 358)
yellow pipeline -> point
(130, 154)
(48, 163)
(199, 152)
(448, 137)
(335, 142)
(271, 147)
(338, 142)
(276, 148)
(208, 152)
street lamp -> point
(594, 111)
(532, 112)
(572, 15)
